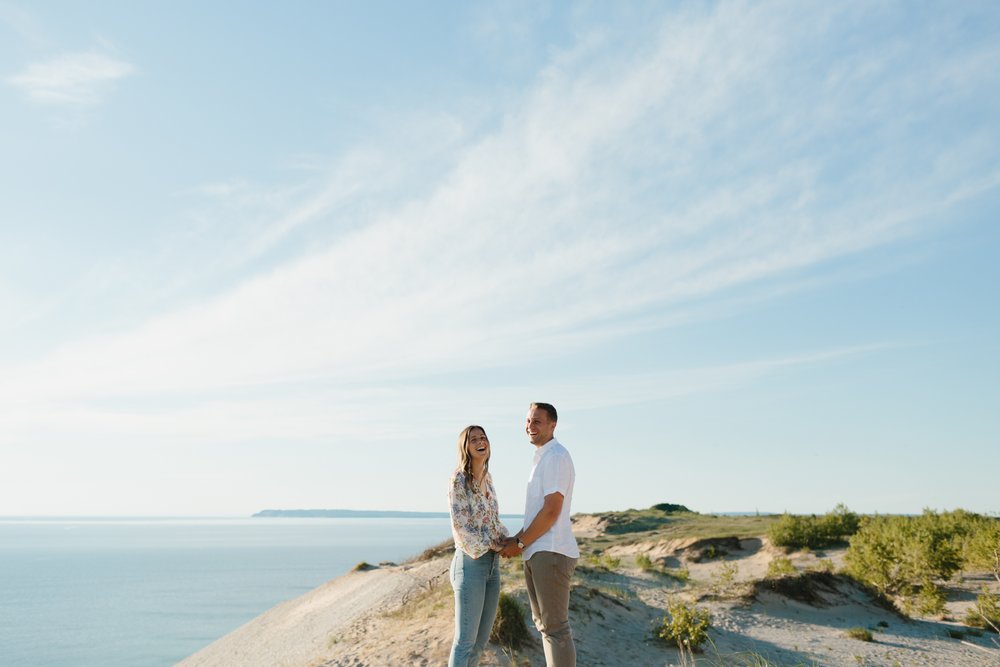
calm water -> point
(134, 593)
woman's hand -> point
(510, 548)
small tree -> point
(896, 553)
(685, 626)
(986, 612)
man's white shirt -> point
(551, 472)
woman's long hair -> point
(464, 460)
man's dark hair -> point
(549, 409)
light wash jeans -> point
(477, 589)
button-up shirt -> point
(475, 515)
(551, 472)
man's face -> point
(539, 427)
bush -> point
(724, 578)
(604, 561)
(986, 612)
(644, 563)
(685, 626)
(681, 574)
(509, 629)
(780, 567)
(905, 556)
(981, 545)
(823, 565)
(930, 600)
(861, 634)
(895, 554)
(814, 532)
(670, 508)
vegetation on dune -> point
(894, 559)
(646, 564)
(510, 630)
(780, 567)
(685, 625)
(670, 508)
(905, 556)
(814, 532)
(445, 547)
(804, 587)
(603, 562)
(633, 525)
(985, 613)
(636, 521)
(861, 634)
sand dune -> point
(402, 615)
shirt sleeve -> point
(471, 535)
(557, 476)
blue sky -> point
(255, 255)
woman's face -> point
(478, 445)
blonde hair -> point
(464, 460)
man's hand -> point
(510, 548)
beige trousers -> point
(548, 576)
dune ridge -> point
(403, 614)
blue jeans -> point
(477, 589)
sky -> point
(264, 255)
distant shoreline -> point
(357, 514)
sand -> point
(403, 615)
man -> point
(546, 541)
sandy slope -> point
(402, 615)
(300, 631)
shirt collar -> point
(545, 449)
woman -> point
(479, 536)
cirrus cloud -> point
(74, 79)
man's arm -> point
(545, 519)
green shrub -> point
(904, 556)
(685, 626)
(822, 565)
(509, 629)
(780, 567)
(814, 532)
(862, 634)
(724, 578)
(670, 508)
(896, 554)
(604, 561)
(644, 563)
(986, 612)
(930, 600)
(981, 545)
(681, 574)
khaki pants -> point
(548, 576)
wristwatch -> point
(520, 544)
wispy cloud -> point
(729, 149)
(406, 409)
(74, 79)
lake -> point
(149, 592)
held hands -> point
(510, 548)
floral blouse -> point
(475, 516)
